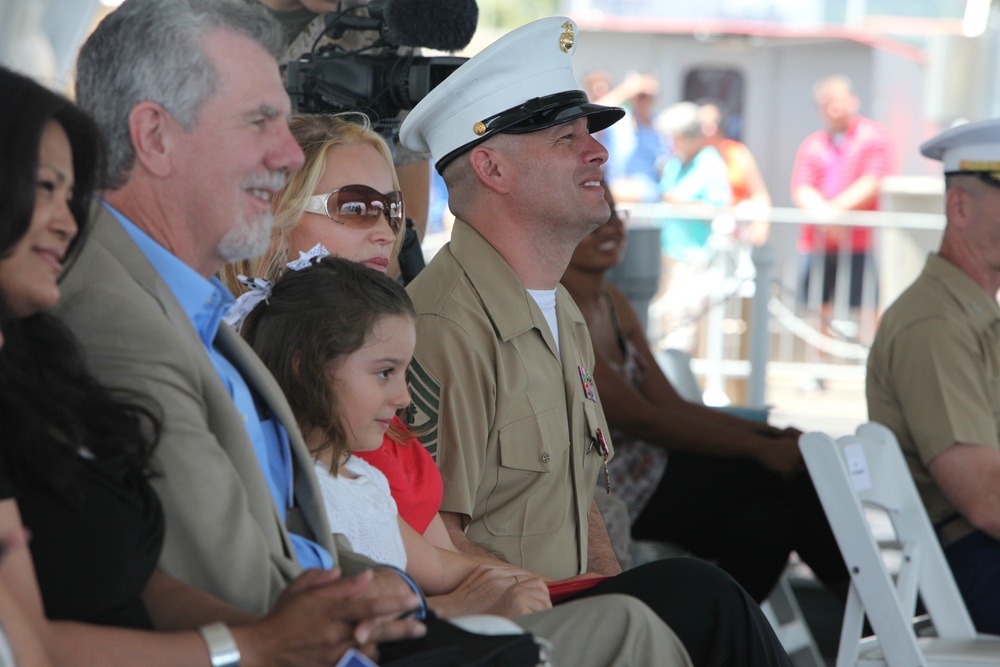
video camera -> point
(331, 79)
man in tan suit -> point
(188, 96)
(196, 148)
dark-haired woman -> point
(74, 459)
(733, 490)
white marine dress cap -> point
(521, 83)
(973, 148)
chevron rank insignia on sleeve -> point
(425, 405)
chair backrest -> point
(676, 365)
(868, 469)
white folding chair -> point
(868, 469)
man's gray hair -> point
(152, 51)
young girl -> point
(338, 336)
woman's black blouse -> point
(94, 543)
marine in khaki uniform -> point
(501, 380)
(934, 369)
(527, 494)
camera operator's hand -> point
(315, 6)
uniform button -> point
(545, 457)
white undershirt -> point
(546, 300)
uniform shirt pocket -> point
(533, 479)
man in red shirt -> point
(839, 168)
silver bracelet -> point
(221, 645)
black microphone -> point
(444, 25)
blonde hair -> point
(316, 134)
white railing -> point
(756, 321)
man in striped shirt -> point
(839, 168)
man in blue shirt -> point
(188, 96)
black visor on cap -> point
(539, 113)
(542, 112)
(987, 177)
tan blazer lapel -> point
(307, 494)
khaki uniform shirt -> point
(506, 415)
(934, 373)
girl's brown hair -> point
(311, 318)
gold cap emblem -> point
(479, 128)
(566, 39)
(974, 165)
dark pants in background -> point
(718, 623)
(744, 517)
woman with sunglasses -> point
(345, 198)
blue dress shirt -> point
(205, 302)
